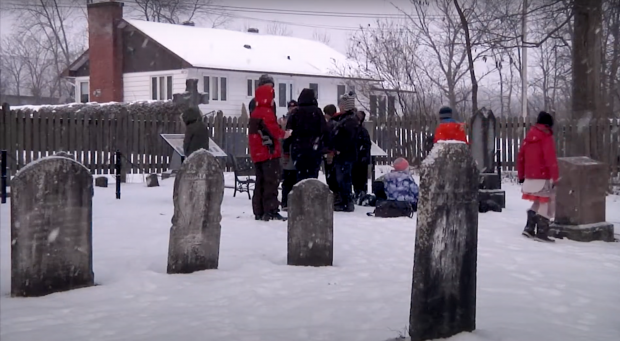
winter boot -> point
(274, 216)
(542, 229)
(530, 226)
(258, 217)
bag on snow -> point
(393, 209)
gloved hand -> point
(521, 181)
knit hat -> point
(347, 101)
(400, 164)
(265, 79)
(445, 113)
(545, 118)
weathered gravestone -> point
(152, 180)
(443, 298)
(101, 181)
(482, 140)
(310, 224)
(51, 227)
(580, 201)
(195, 232)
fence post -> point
(3, 180)
(118, 167)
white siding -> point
(137, 85)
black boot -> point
(274, 216)
(542, 229)
(530, 226)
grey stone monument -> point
(152, 180)
(443, 297)
(195, 232)
(581, 201)
(311, 224)
(51, 227)
(482, 139)
(101, 181)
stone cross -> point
(191, 97)
(310, 224)
(483, 132)
(443, 297)
(51, 227)
(581, 201)
(195, 232)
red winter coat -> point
(537, 158)
(450, 131)
(264, 131)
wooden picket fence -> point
(93, 139)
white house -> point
(131, 60)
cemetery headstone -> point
(443, 298)
(581, 201)
(101, 181)
(482, 139)
(51, 227)
(310, 224)
(195, 232)
(152, 180)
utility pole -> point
(524, 61)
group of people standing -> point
(292, 148)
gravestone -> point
(195, 232)
(152, 180)
(581, 201)
(51, 227)
(310, 224)
(101, 181)
(191, 98)
(482, 140)
(443, 297)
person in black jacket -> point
(196, 133)
(308, 130)
(330, 175)
(344, 147)
(263, 80)
(359, 173)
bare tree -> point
(179, 11)
(321, 36)
(278, 29)
(610, 57)
(13, 66)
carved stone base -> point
(497, 196)
(490, 181)
(584, 233)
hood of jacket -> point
(307, 98)
(264, 95)
(190, 116)
(538, 133)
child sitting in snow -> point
(397, 193)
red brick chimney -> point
(105, 51)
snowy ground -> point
(527, 291)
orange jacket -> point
(450, 131)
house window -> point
(315, 87)
(252, 85)
(161, 88)
(282, 95)
(341, 91)
(217, 87)
(206, 85)
(391, 106)
(84, 93)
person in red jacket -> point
(449, 129)
(264, 143)
(537, 167)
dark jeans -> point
(265, 197)
(289, 179)
(330, 179)
(359, 174)
(343, 177)
(308, 165)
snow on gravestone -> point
(310, 224)
(443, 298)
(195, 232)
(51, 227)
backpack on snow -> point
(394, 209)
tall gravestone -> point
(195, 232)
(483, 135)
(310, 224)
(51, 227)
(443, 297)
(581, 201)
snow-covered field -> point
(527, 291)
